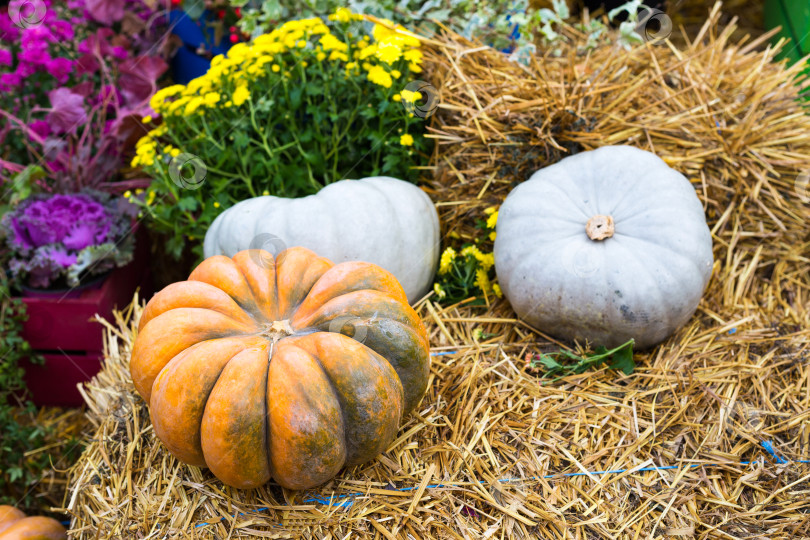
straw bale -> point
(486, 453)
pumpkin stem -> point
(279, 330)
(600, 227)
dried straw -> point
(473, 461)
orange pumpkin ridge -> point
(287, 368)
(15, 526)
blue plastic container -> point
(186, 64)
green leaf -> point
(295, 96)
(241, 139)
(314, 89)
(548, 362)
(619, 358)
(187, 204)
(623, 359)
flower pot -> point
(63, 329)
(186, 64)
(94, 282)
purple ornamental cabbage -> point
(66, 236)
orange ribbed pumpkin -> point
(250, 367)
(15, 526)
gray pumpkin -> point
(604, 246)
(381, 220)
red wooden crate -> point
(65, 332)
(54, 384)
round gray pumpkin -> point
(381, 220)
(604, 246)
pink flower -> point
(36, 54)
(10, 80)
(9, 32)
(26, 70)
(40, 127)
(119, 52)
(5, 57)
(67, 110)
(63, 29)
(60, 68)
(37, 36)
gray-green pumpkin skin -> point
(643, 282)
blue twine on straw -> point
(345, 501)
(443, 353)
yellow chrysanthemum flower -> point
(337, 55)
(267, 48)
(492, 220)
(329, 42)
(497, 290)
(411, 97)
(482, 280)
(211, 98)
(381, 32)
(446, 261)
(276, 68)
(439, 291)
(341, 15)
(178, 104)
(365, 52)
(157, 100)
(379, 76)
(413, 56)
(199, 85)
(406, 140)
(146, 119)
(388, 53)
(239, 52)
(240, 95)
(396, 97)
(193, 105)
